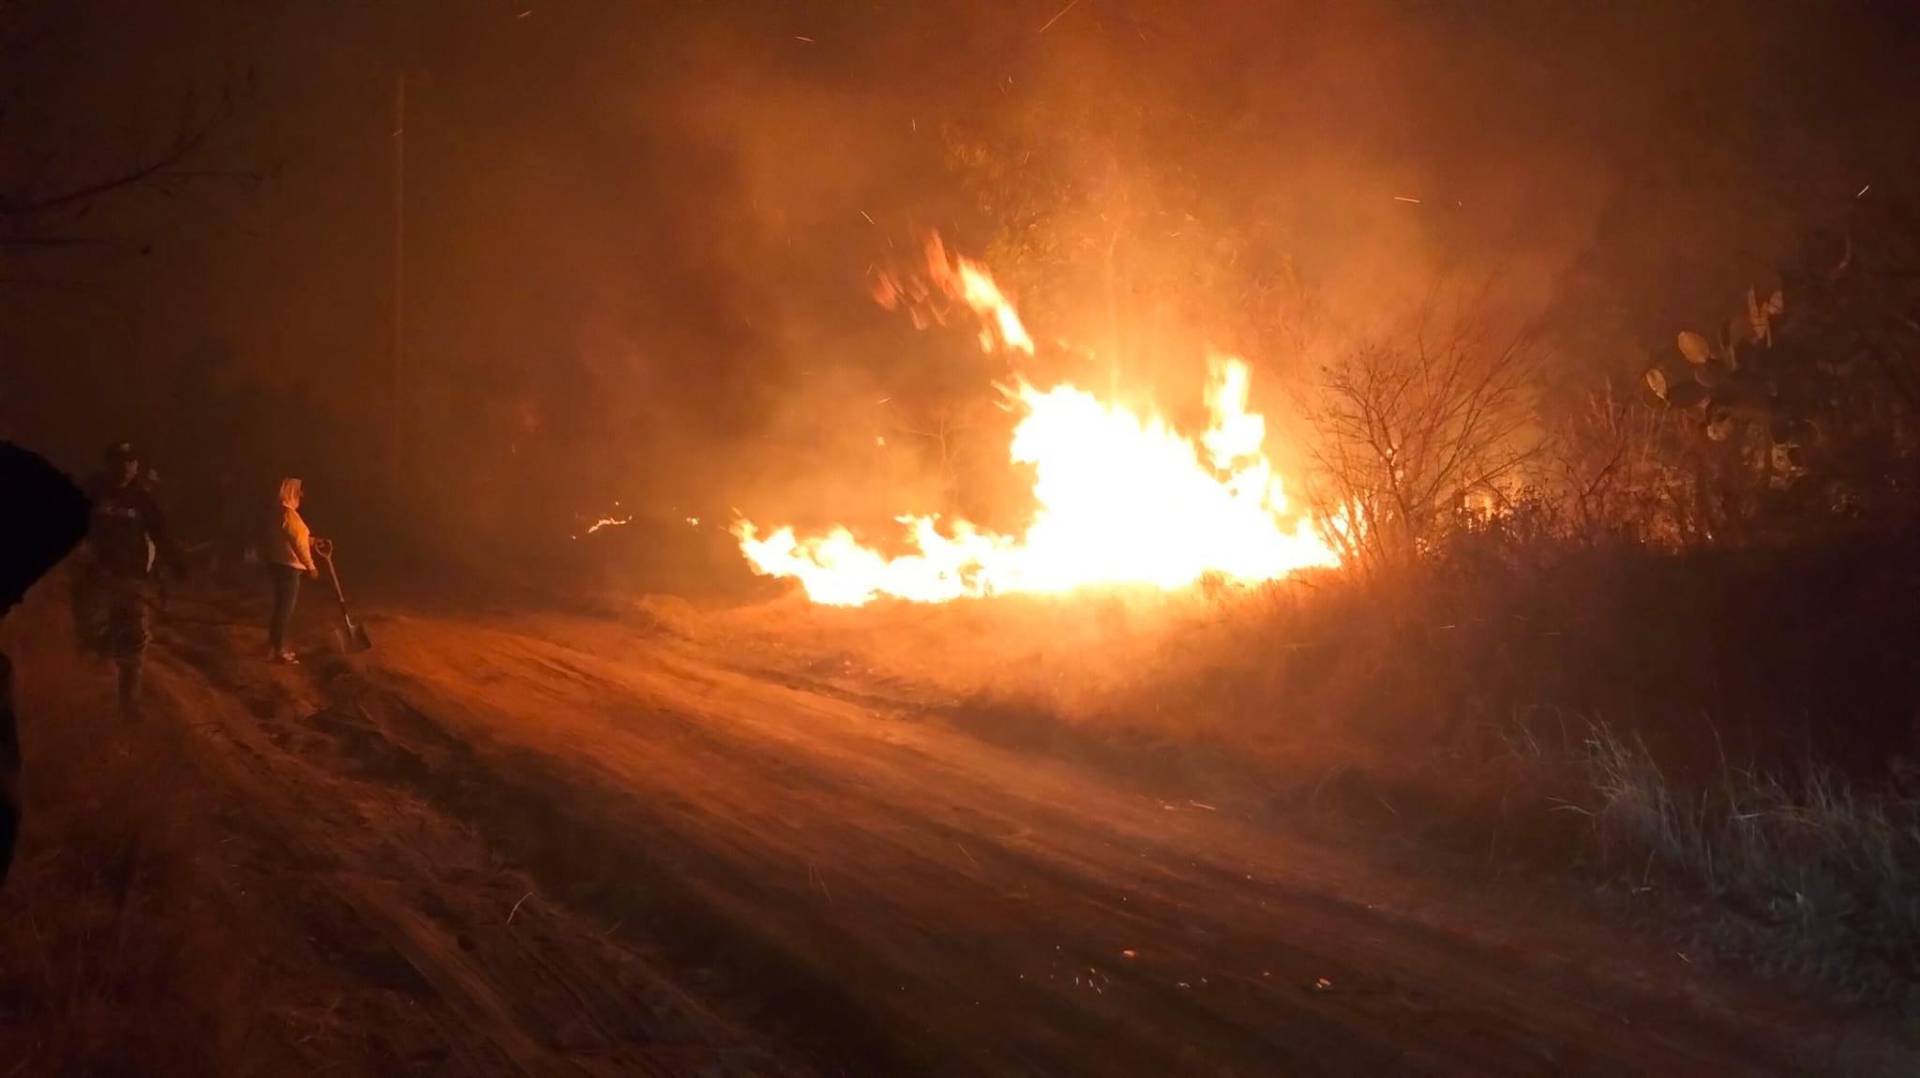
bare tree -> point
(1405, 432)
(1623, 472)
(45, 201)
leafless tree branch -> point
(1406, 429)
(38, 214)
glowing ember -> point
(605, 522)
(1121, 499)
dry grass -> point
(1814, 878)
(117, 950)
(1451, 703)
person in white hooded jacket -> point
(289, 554)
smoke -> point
(639, 239)
(1286, 181)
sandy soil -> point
(547, 844)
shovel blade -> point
(351, 636)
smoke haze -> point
(638, 239)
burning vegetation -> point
(1121, 499)
(1491, 434)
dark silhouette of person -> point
(112, 593)
(42, 517)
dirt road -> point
(547, 845)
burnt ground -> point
(549, 844)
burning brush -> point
(1122, 498)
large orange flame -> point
(1121, 498)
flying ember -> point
(1120, 498)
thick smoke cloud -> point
(639, 237)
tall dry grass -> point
(117, 949)
(1817, 876)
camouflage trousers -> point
(111, 618)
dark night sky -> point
(636, 244)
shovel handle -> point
(334, 576)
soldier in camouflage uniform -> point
(112, 589)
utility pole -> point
(396, 403)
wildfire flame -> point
(975, 287)
(1121, 498)
(970, 283)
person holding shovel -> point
(289, 554)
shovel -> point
(349, 634)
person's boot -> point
(129, 689)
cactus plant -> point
(1787, 416)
